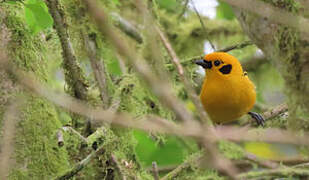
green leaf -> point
(169, 5)
(225, 11)
(116, 2)
(11, 2)
(113, 67)
(172, 152)
(37, 16)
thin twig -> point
(237, 46)
(155, 172)
(185, 6)
(185, 81)
(79, 166)
(171, 52)
(203, 25)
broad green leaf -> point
(37, 16)
(172, 152)
(225, 11)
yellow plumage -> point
(227, 92)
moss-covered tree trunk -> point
(36, 153)
(289, 52)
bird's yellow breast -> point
(227, 100)
(227, 97)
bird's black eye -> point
(217, 62)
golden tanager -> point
(227, 92)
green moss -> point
(194, 171)
(37, 152)
(26, 49)
(289, 5)
(138, 100)
(231, 150)
(188, 36)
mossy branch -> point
(73, 73)
(79, 166)
(127, 27)
(97, 67)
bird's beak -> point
(205, 64)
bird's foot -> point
(258, 118)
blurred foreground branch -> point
(127, 27)
(10, 120)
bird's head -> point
(220, 64)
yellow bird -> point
(227, 92)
